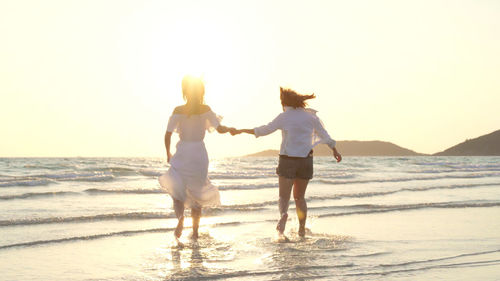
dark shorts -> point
(295, 167)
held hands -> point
(234, 131)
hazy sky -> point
(100, 78)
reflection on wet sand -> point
(200, 258)
(306, 257)
(187, 262)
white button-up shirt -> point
(301, 130)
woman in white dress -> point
(187, 178)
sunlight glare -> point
(204, 50)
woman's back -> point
(191, 123)
(301, 131)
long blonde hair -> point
(193, 92)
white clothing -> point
(187, 178)
(301, 130)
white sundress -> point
(187, 178)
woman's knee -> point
(196, 211)
(299, 194)
(298, 198)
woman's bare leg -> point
(299, 191)
(196, 215)
(179, 213)
(285, 188)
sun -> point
(204, 49)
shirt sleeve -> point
(173, 122)
(322, 134)
(212, 121)
(269, 128)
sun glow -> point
(67, 64)
(205, 50)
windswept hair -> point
(291, 98)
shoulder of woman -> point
(205, 108)
(179, 110)
(312, 113)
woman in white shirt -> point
(301, 130)
(187, 178)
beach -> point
(370, 218)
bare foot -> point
(178, 243)
(194, 236)
(282, 238)
(180, 226)
(280, 227)
(302, 231)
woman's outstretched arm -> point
(262, 130)
(168, 138)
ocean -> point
(370, 218)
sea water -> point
(370, 218)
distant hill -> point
(264, 153)
(354, 148)
(487, 145)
